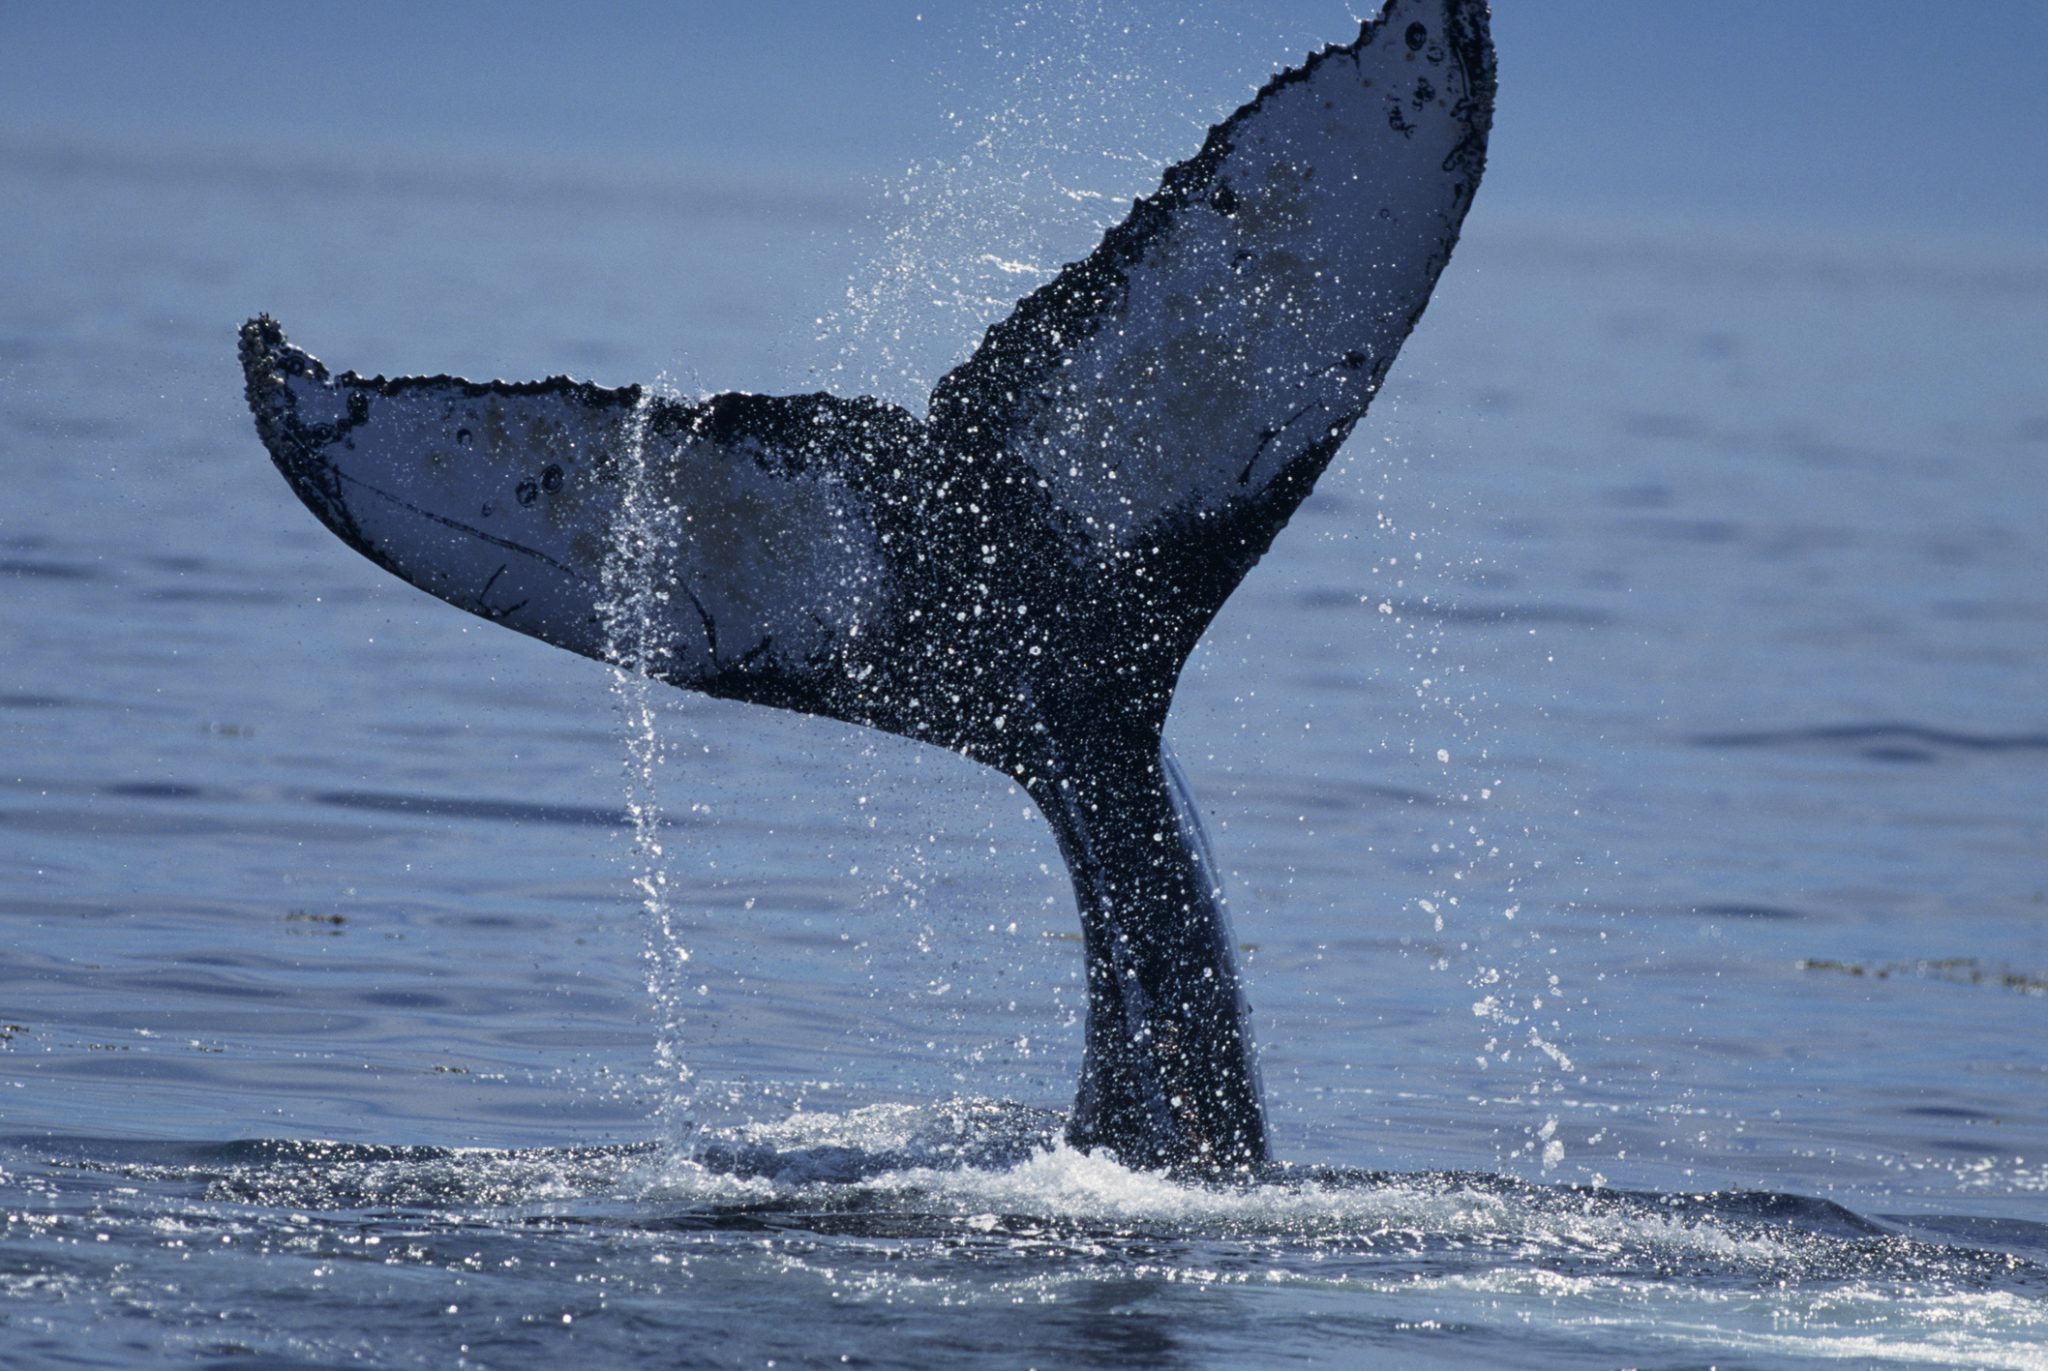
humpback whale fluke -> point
(1020, 575)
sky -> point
(1815, 117)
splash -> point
(912, 1223)
(1072, 108)
(638, 639)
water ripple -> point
(1884, 741)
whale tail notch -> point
(1020, 575)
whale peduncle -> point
(1169, 1077)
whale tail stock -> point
(1020, 575)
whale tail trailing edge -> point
(1019, 576)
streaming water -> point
(638, 619)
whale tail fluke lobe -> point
(507, 499)
(1178, 391)
(1019, 576)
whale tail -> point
(1020, 575)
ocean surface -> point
(1631, 769)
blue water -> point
(1630, 769)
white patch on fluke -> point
(1261, 317)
